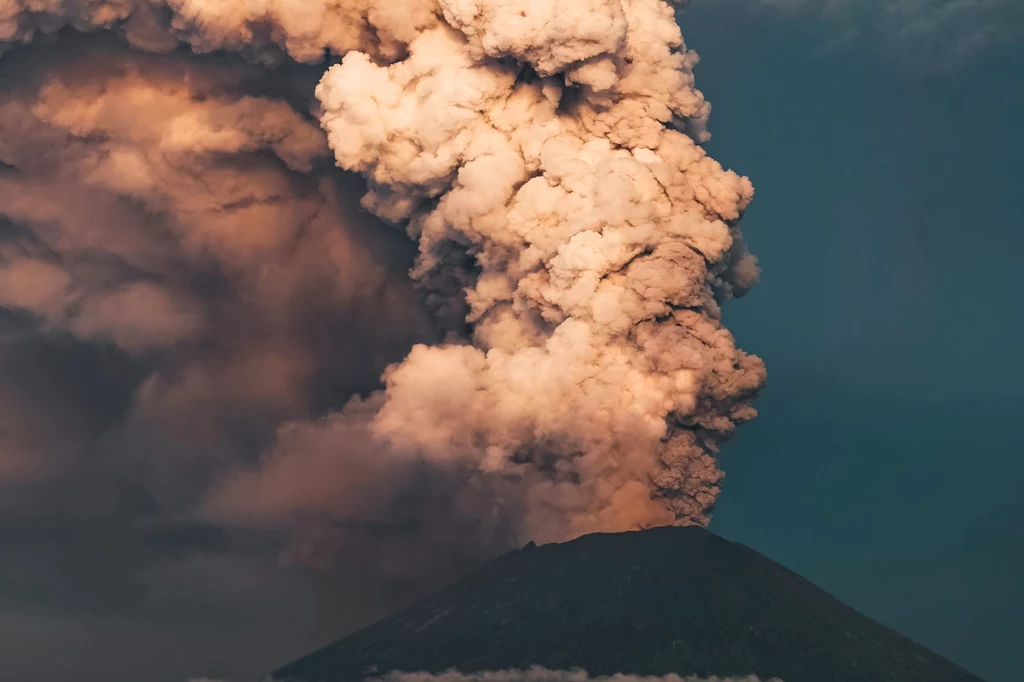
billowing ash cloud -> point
(555, 183)
(182, 269)
(575, 242)
(156, 206)
(264, 30)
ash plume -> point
(163, 210)
(575, 246)
(556, 182)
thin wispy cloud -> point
(929, 34)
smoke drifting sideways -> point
(169, 203)
(182, 271)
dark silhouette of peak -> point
(649, 602)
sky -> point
(883, 140)
(886, 460)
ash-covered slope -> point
(650, 602)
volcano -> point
(652, 602)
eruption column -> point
(573, 236)
(545, 157)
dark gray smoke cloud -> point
(182, 270)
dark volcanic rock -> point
(650, 602)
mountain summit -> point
(653, 602)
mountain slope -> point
(648, 602)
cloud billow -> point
(172, 206)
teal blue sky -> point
(886, 464)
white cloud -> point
(539, 674)
(534, 674)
